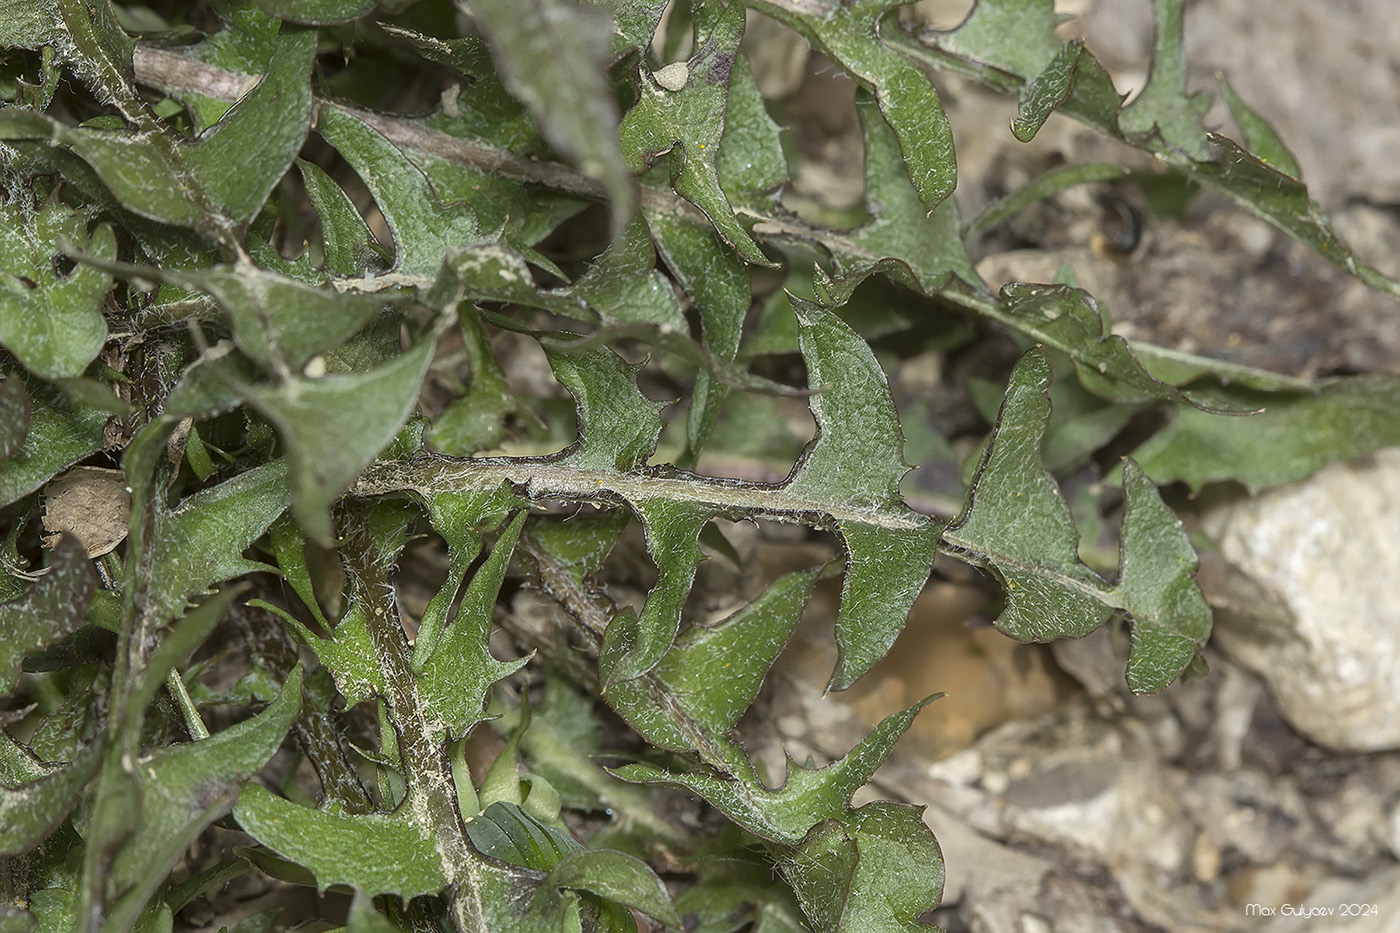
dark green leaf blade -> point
(31, 811)
(623, 286)
(787, 815)
(337, 424)
(50, 609)
(1156, 583)
(462, 518)
(1259, 137)
(857, 459)
(100, 54)
(553, 55)
(509, 833)
(878, 869)
(26, 24)
(1163, 108)
(1296, 434)
(918, 248)
(317, 12)
(349, 246)
(1068, 319)
(849, 34)
(240, 159)
(619, 878)
(636, 21)
(201, 542)
(61, 432)
(734, 891)
(476, 420)
(1073, 70)
(348, 653)
(381, 853)
(713, 673)
(51, 322)
(125, 162)
(184, 788)
(1017, 524)
(633, 646)
(1014, 35)
(821, 870)
(281, 323)
(717, 280)
(751, 166)
(1283, 201)
(363, 918)
(460, 671)
(424, 229)
(682, 111)
(617, 424)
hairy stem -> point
(169, 71)
(427, 768)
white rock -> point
(1329, 550)
(673, 77)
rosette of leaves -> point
(272, 284)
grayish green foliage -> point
(293, 418)
(551, 54)
(1295, 434)
(32, 810)
(52, 323)
(849, 34)
(60, 433)
(18, 411)
(685, 117)
(184, 788)
(1017, 521)
(375, 852)
(52, 607)
(201, 541)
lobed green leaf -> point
(1295, 434)
(1018, 525)
(184, 788)
(808, 797)
(1163, 108)
(1171, 620)
(31, 811)
(553, 55)
(52, 322)
(849, 35)
(336, 424)
(424, 229)
(53, 607)
(201, 541)
(60, 433)
(617, 877)
(380, 853)
(1259, 137)
(682, 111)
(919, 249)
(857, 459)
(460, 670)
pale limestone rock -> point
(1328, 551)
